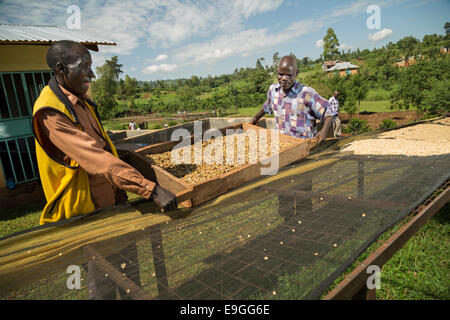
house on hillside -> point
(23, 74)
(342, 69)
(403, 62)
(445, 50)
(328, 64)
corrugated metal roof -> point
(46, 34)
(342, 66)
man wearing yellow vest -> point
(78, 164)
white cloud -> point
(380, 35)
(192, 32)
(163, 68)
(178, 21)
(161, 57)
(98, 59)
(319, 43)
(242, 43)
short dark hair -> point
(292, 59)
(62, 51)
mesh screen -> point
(281, 237)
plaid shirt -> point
(296, 113)
(334, 104)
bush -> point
(356, 126)
(387, 124)
(172, 123)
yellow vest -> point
(66, 187)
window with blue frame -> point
(18, 92)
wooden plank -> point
(116, 276)
(352, 284)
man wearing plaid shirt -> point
(296, 107)
(334, 104)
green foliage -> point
(418, 81)
(378, 94)
(330, 45)
(130, 91)
(356, 126)
(350, 105)
(116, 68)
(358, 88)
(437, 100)
(104, 89)
(387, 124)
(172, 123)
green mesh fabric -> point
(285, 238)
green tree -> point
(115, 67)
(416, 82)
(350, 105)
(104, 90)
(359, 89)
(260, 80)
(330, 45)
(129, 90)
(259, 63)
(275, 60)
(187, 98)
(408, 45)
(437, 100)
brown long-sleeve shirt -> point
(107, 175)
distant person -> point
(334, 105)
(296, 107)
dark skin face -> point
(336, 94)
(76, 75)
(287, 72)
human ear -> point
(60, 68)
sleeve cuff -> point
(148, 186)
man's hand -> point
(257, 116)
(323, 134)
(322, 137)
(164, 198)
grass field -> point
(375, 106)
(418, 271)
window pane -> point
(7, 168)
(25, 158)
(11, 96)
(21, 95)
(39, 82)
(32, 91)
(4, 113)
(16, 160)
(32, 148)
(47, 77)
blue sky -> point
(177, 39)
